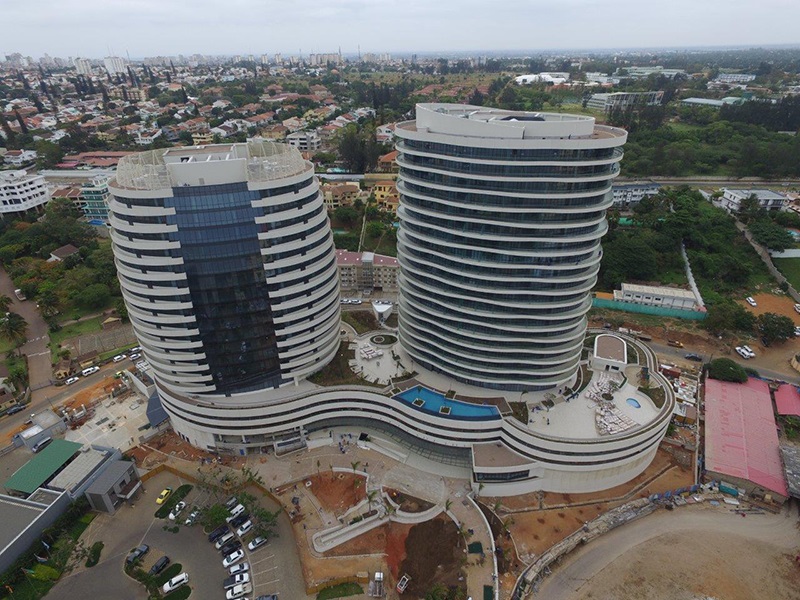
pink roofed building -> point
(367, 271)
(787, 400)
(741, 441)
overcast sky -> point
(95, 28)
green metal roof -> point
(42, 466)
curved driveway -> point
(578, 569)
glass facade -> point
(222, 261)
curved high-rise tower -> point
(499, 246)
(226, 262)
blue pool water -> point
(634, 402)
(434, 401)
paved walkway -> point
(387, 467)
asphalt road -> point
(678, 355)
(39, 363)
(577, 570)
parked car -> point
(675, 343)
(135, 349)
(41, 444)
(744, 353)
(749, 350)
(231, 502)
(190, 520)
(137, 553)
(72, 380)
(135, 356)
(159, 565)
(797, 308)
(268, 597)
(176, 511)
(246, 526)
(751, 301)
(235, 512)
(89, 371)
(256, 543)
(223, 540)
(230, 547)
(163, 495)
(694, 357)
(119, 357)
(234, 580)
(240, 519)
(238, 591)
(240, 568)
(15, 409)
(796, 332)
(218, 533)
(233, 558)
(176, 582)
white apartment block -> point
(628, 195)
(114, 64)
(20, 192)
(83, 66)
(651, 295)
(305, 141)
(18, 158)
(767, 199)
(607, 102)
(734, 78)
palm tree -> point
(355, 464)
(5, 303)
(14, 329)
(370, 497)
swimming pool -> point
(433, 402)
(633, 402)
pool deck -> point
(576, 419)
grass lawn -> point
(70, 330)
(340, 591)
(790, 267)
(338, 371)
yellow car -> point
(163, 495)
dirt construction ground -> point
(692, 553)
(717, 565)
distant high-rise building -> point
(114, 64)
(83, 66)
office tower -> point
(227, 266)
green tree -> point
(5, 303)
(768, 233)
(346, 215)
(728, 316)
(14, 328)
(214, 516)
(724, 369)
(774, 327)
(95, 296)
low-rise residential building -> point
(94, 199)
(382, 189)
(628, 195)
(731, 199)
(388, 163)
(367, 271)
(341, 194)
(616, 100)
(62, 253)
(651, 295)
(18, 158)
(305, 141)
(20, 193)
(734, 78)
(201, 139)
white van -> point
(224, 540)
(89, 371)
(235, 512)
(41, 444)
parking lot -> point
(274, 567)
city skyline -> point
(145, 27)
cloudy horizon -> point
(141, 28)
